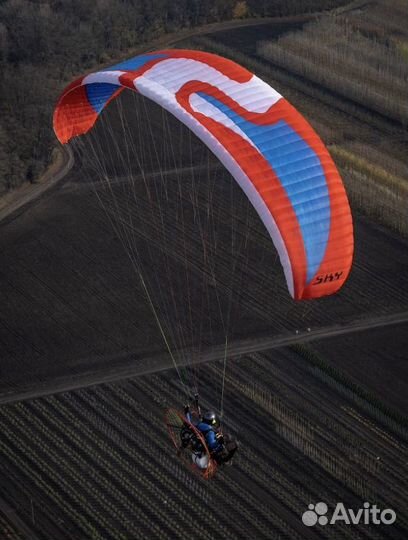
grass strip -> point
(348, 159)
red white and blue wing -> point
(266, 144)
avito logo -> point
(369, 514)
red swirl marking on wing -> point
(258, 170)
(338, 255)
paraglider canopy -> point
(265, 143)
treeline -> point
(44, 44)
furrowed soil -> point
(96, 462)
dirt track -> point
(21, 199)
(130, 365)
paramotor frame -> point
(190, 444)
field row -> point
(100, 461)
